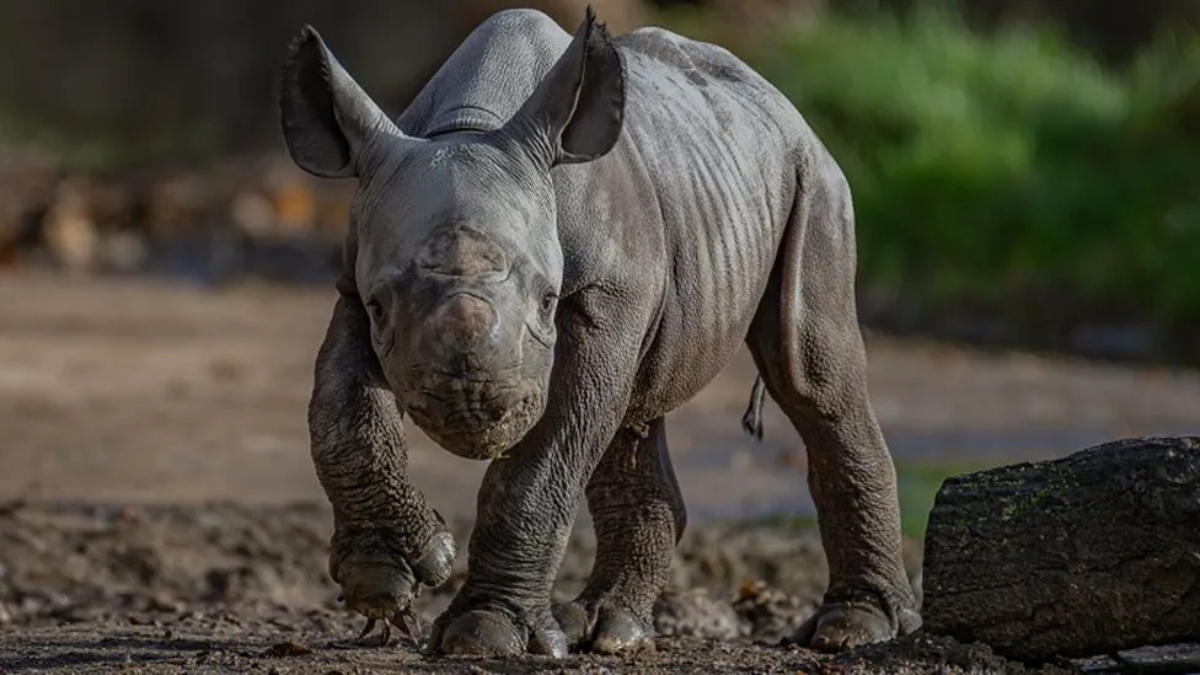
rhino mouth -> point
(480, 432)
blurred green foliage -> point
(1007, 173)
(994, 169)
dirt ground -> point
(241, 588)
(162, 514)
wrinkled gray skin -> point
(559, 241)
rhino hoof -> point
(573, 618)
(482, 632)
(376, 589)
(614, 631)
(382, 586)
(838, 627)
(620, 632)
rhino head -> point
(453, 239)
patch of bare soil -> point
(175, 417)
(229, 588)
(133, 391)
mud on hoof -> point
(381, 585)
(491, 632)
(604, 630)
(841, 626)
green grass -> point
(993, 170)
(1009, 172)
(917, 485)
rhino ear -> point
(578, 108)
(328, 120)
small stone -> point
(750, 589)
(1174, 658)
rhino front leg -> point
(387, 540)
(807, 344)
(639, 516)
(528, 500)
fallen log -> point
(1089, 554)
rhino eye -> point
(549, 300)
(375, 310)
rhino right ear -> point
(328, 121)
(577, 111)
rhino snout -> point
(465, 322)
(470, 376)
(474, 423)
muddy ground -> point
(161, 514)
(241, 588)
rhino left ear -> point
(579, 107)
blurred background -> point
(1026, 176)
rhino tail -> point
(752, 421)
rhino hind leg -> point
(814, 365)
(638, 513)
(853, 484)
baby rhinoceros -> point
(562, 239)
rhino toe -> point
(376, 589)
(838, 627)
(487, 632)
(605, 629)
(620, 632)
(377, 580)
(481, 633)
(433, 569)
